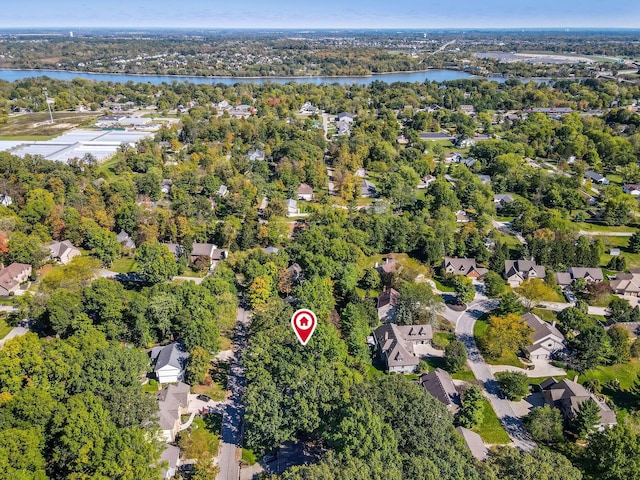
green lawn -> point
(441, 286)
(248, 457)
(442, 339)
(123, 265)
(633, 259)
(4, 328)
(34, 138)
(547, 315)
(151, 386)
(217, 388)
(596, 227)
(626, 373)
(202, 439)
(465, 375)
(491, 430)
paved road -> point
(464, 322)
(234, 410)
(16, 332)
(331, 184)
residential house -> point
(256, 155)
(170, 362)
(368, 189)
(596, 177)
(463, 266)
(344, 128)
(270, 250)
(165, 185)
(388, 266)
(517, 271)
(614, 252)
(426, 181)
(627, 283)
(546, 338)
(345, 117)
(222, 191)
(632, 189)
(173, 402)
(207, 251)
(308, 109)
(486, 179)
(63, 251)
(305, 192)
(12, 276)
(468, 109)
(474, 443)
(5, 200)
(125, 240)
(502, 199)
(170, 455)
(295, 273)
(590, 274)
(462, 217)
(402, 140)
(388, 301)
(395, 345)
(440, 385)
(262, 208)
(568, 396)
(435, 136)
(465, 142)
(292, 207)
(361, 172)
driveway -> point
(503, 227)
(196, 405)
(464, 322)
(16, 332)
(542, 368)
(234, 409)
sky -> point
(320, 14)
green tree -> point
(612, 454)
(505, 334)
(508, 463)
(21, 454)
(24, 248)
(455, 356)
(589, 349)
(464, 289)
(544, 424)
(494, 284)
(533, 291)
(472, 405)
(620, 343)
(587, 418)
(38, 206)
(634, 242)
(514, 385)
(155, 262)
(198, 365)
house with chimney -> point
(395, 345)
(463, 266)
(387, 305)
(546, 338)
(517, 271)
(568, 396)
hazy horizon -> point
(332, 14)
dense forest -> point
(71, 400)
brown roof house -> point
(547, 339)
(568, 396)
(395, 345)
(517, 271)
(590, 274)
(440, 385)
(627, 283)
(388, 302)
(305, 192)
(12, 276)
(173, 401)
(463, 266)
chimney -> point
(553, 324)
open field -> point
(34, 126)
(633, 259)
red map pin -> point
(304, 324)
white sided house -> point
(173, 401)
(547, 339)
(170, 362)
(63, 252)
(517, 271)
(12, 277)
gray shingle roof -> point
(174, 354)
(440, 384)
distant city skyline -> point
(427, 14)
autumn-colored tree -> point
(505, 334)
(533, 291)
(259, 291)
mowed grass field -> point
(34, 126)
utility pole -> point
(49, 102)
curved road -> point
(464, 322)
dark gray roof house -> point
(463, 266)
(590, 274)
(125, 240)
(474, 443)
(517, 271)
(440, 385)
(596, 177)
(170, 362)
(173, 401)
(568, 396)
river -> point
(429, 75)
